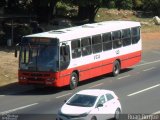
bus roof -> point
(86, 30)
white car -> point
(91, 104)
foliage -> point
(152, 5)
(87, 9)
(124, 4)
(110, 4)
(137, 4)
(84, 2)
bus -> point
(67, 56)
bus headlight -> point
(50, 79)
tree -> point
(87, 9)
(44, 9)
(137, 4)
(152, 5)
(124, 4)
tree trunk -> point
(52, 8)
(82, 12)
(93, 9)
(88, 12)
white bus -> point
(67, 56)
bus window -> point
(64, 57)
(135, 35)
(107, 41)
(86, 46)
(116, 36)
(76, 48)
(96, 44)
(126, 37)
(24, 56)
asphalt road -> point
(138, 89)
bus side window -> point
(107, 41)
(126, 37)
(86, 46)
(135, 32)
(76, 48)
(64, 57)
(96, 43)
(116, 37)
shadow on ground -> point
(16, 89)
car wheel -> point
(117, 114)
(93, 118)
(73, 81)
(116, 68)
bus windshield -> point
(41, 57)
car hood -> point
(74, 110)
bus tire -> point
(116, 68)
(73, 81)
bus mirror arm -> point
(16, 50)
(64, 44)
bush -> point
(153, 5)
(124, 4)
(111, 4)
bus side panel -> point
(96, 69)
(64, 78)
(107, 66)
(130, 59)
(85, 72)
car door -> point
(110, 105)
(99, 110)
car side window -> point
(109, 97)
(101, 100)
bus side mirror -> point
(16, 50)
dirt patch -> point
(151, 36)
(151, 41)
(9, 64)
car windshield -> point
(82, 100)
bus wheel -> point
(116, 68)
(73, 81)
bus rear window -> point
(135, 35)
